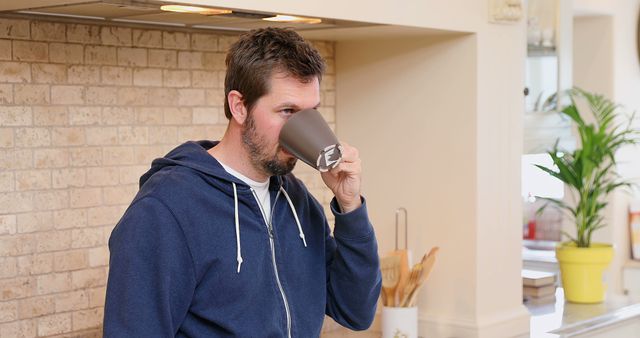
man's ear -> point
(236, 105)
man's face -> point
(261, 129)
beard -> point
(259, 153)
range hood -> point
(148, 12)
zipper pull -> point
(270, 228)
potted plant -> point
(589, 173)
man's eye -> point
(287, 111)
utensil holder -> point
(400, 322)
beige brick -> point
(33, 180)
(225, 41)
(36, 306)
(98, 295)
(331, 66)
(53, 240)
(19, 329)
(164, 96)
(131, 174)
(136, 57)
(190, 60)
(116, 36)
(118, 116)
(214, 61)
(102, 95)
(133, 135)
(163, 135)
(176, 78)
(118, 155)
(175, 40)
(30, 51)
(99, 257)
(102, 176)
(163, 58)
(215, 97)
(328, 98)
(16, 288)
(36, 264)
(84, 74)
(50, 116)
(66, 53)
(87, 319)
(67, 94)
(70, 260)
(70, 218)
(68, 177)
(83, 33)
(54, 324)
(328, 83)
(204, 79)
(7, 181)
(29, 94)
(147, 38)
(102, 136)
(8, 310)
(147, 77)
(107, 215)
(13, 202)
(48, 31)
(180, 116)
(17, 72)
(70, 301)
(85, 197)
(133, 96)
(206, 115)
(6, 138)
(204, 42)
(89, 278)
(117, 76)
(100, 55)
(8, 224)
(200, 132)
(191, 97)
(8, 269)
(51, 158)
(51, 199)
(15, 116)
(86, 237)
(35, 221)
(146, 154)
(82, 157)
(67, 136)
(48, 73)
(85, 115)
(5, 50)
(149, 115)
(15, 29)
(16, 245)
(13, 159)
(6, 94)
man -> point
(222, 240)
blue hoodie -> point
(193, 257)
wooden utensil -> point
(414, 275)
(390, 268)
(404, 257)
(427, 265)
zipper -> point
(269, 225)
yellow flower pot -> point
(581, 270)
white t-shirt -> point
(261, 189)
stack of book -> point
(538, 287)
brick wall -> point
(84, 109)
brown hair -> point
(259, 53)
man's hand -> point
(344, 180)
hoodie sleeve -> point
(151, 275)
(353, 269)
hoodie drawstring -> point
(238, 252)
(295, 215)
(237, 222)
